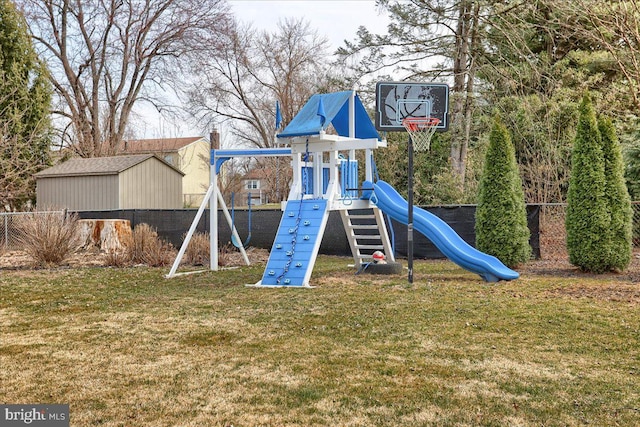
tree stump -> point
(107, 235)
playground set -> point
(326, 178)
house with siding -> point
(190, 155)
(141, 181)
(257, 185)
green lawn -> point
(126, 347)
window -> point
(253, 184)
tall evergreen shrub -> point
(501, 216)
(617, 197)
(25, 101)
(587, 221)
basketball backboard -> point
(398, 100)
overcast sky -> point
(336, 19)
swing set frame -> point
(214, 197)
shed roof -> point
(134, 146)
(78, 166)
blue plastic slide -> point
(442, 235)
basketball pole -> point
(410, 211)
(425, 108)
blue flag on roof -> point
(321, 113)
(278, 116)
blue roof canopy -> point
(330, 108)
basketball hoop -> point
(421, 129)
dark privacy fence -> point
(172, 225)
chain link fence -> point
(553, 233)
(10, 230)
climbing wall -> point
(296, 245)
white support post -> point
(352, 130)
(352, 114)
(317, 175)
(333, 188)
(213, 220)
(296, 184)
(190, 233)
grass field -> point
(126, 347)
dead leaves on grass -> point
(601, 292)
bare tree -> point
(241, 83)
(277, 178)
(613, 26)
(106, 55)
(429, 40)
(543, 56)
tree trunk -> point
(461, 79)
(107, 235)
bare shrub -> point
(148, 248)
(121, 257)
(116, 258)
(49, 237)
(225, 255)
(197, 252)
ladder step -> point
(377, 247)
(361, 216)
(367, 236)
(364, 227)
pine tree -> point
(25, 99)
(587, 221)
(617, 197)
(501, 216)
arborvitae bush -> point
(501, 216)
(25, 103)
(588, 218)
(617, 197)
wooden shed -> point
(122, 182)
